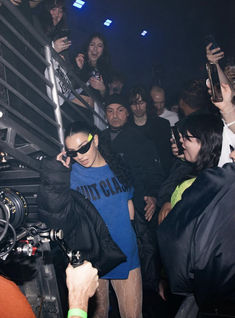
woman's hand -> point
(213, 56)
(80, 58)
(162, 287)
(165, 210)
(63, 159)
(97, 84)
(62, 44)
(175, 150)
(150, 207)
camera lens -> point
(13, 207)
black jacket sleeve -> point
(197, 238)
(179, 170)
(84, 228)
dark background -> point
(175, 41)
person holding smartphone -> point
(93, 66)
(53, 23)
(214, 56)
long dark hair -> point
(208, 129)
(53, 32)
(103, 63)
(114, 161)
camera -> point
(19, 238)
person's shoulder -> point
(105, 133)
(159, 121)
(131, 130)
(171, 116)
(170, 113)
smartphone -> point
(210, 39)
(214, 82)
(176, 138)
(95, 73)
(64, 32)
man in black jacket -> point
(141, 157)
(154, 128)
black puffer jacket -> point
(197, 239)
(66, 209)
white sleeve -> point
(228, 139)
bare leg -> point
(129, 294)
(102, 299)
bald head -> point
(158, 97)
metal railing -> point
(31, 122)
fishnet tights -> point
(128, 292)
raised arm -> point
(214, 56)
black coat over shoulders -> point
(66, 209)
(197, 239)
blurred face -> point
(230, 73)
(191, 146)
(95, 50)
(117, 115)
(115, 87)
(139, 107)
(79, 140)
(158, 101)
(56, 14)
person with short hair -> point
(196, 239)
(159, 103)
(201, 138)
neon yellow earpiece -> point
(90, 137)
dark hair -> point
(208, 128)
(194, 94)
(117, 99)
(138, 90)
(114, 161)
(104, 60)
(116, 76)
(50, 4)
(52, 31)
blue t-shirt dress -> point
(110, 198)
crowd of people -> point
(146, 208)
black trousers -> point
(148, 249)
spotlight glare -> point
(79, 4)
(108, 22)
(144, 32)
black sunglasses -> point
(82, 150)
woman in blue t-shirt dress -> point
(101, 177)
